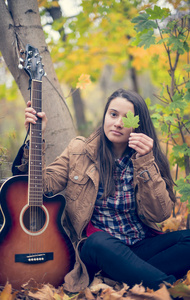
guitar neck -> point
(35, 151)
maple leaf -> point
(6, 294)
(83, 81)
(131, 120)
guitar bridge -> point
(34, 258)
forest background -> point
(97, 47)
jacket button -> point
(76, 177)
(125, 188)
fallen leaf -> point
(139, 292)
(6, 294)
(138, 289)
(187, 278)
(45, 293)
(171, 224)
(88, 294)
(180, 290)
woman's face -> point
(113, 124)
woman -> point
(118, 187)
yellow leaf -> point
(171, 224)
(187, 280)
(83, 81)
(6, 294)
(181, 290)
(46, 292)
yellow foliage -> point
(45, 3)
(175, 3)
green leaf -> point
(177, 43)
(143, 22)
(158, 12)
(188, 85)
(183, 187)
(186, 46)
(155, 58)
(148, 102)
(187, 68)
(147, 39)
(164, 128)
(187, 95)
(131, 120)
(181, 149)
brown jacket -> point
(75, 171)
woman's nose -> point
(119, 122)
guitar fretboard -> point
(35, 152)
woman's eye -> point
(113, 114)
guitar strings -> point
(36, 194)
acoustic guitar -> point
(33, 244)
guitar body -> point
(33, 244)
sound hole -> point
(34, 218)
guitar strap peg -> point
(20, 66)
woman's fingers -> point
(141, 143)
(31, 117)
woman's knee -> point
(96, 241)
(184, 235)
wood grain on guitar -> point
(33, 244)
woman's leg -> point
(169, 252)
(101, 251)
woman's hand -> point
(31, 116)
(141, 143)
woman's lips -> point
(116, 132)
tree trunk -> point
(20, 25)
(79, 111)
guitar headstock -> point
(33, 63)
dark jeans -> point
(165, 257)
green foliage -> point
(131, 120)
(94, 38)
(147, 39)
(183, 187)
(143, 22)
(171, 115)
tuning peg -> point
(20, 66)
(21, 59)
(21, 51)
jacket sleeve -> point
(55, 176)
(153, 201)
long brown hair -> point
(106, 159)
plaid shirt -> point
(117, 214)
